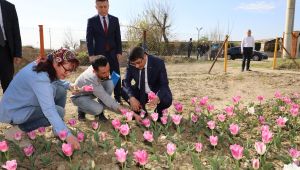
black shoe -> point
(101, 117)
(249, 70)
(81, 116)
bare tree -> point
(69, 41)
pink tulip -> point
(198, 109)
(18, 136)
(210, 108)
(194, 100)
(195, 118)
(4, 146)
(121, 155)
(146, 122)
(261, 120)
(234, 129)
(80, 136)
(154, 116)
(198, 147)
(63, 135)
(211, 124)
(95, 125)
(236, 151)
(123, 111)
(277, 95)
(286, 100)
(67, 149)
(87, 88)
(116, 123)
(42, 130)
(281, 121)
(151, 96)
(213, 140)
(165, 112)
(260, 147)
(294, 111)
(266, 136)
(103, 136)
(31, 135)
(203, 101)
(129, 116)
(10, 165)
(141, 157)
(171, 148)
(72, 122)
(282, 108)
(229, 111)
(176, 119)
(221, 117)
(178, 106)
(28, 150)
(142, 114)
(260, 98)
(236, 99)
(265, 128)
(294, 153)
(255, 163)
(148, 136)
(124, 129)
(164, 120)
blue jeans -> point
(37, 118)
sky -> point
(266, 18)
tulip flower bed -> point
(263, 134)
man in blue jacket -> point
(149, 74)
(103, 37)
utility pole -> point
(50, 37)
(289, 26)
(199, 29)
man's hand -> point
(73, 141)
(137, 118)
(154, 103)
(17, 60)
(119, 57)
(74, 89)
(134, 104)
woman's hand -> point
(73, 141)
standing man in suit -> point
(10, 42)
(247, 46)
(149, 74)
(103, 37)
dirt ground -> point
(188, 80)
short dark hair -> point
(101, 61)
(101, 0)
(136, 53)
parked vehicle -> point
(235, 52)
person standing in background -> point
(103, 37)
(190, 47)
(247, 46)
(10, 42)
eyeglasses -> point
(67, 71)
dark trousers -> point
(164, 103)
(6, 67)
(114, 66)
(247, 51)
(189, 53)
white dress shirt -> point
(1, 23)
(247, 42)
(147, 88)
(106, 19)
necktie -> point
(105, 25)
(142, 89)
(2, 42)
